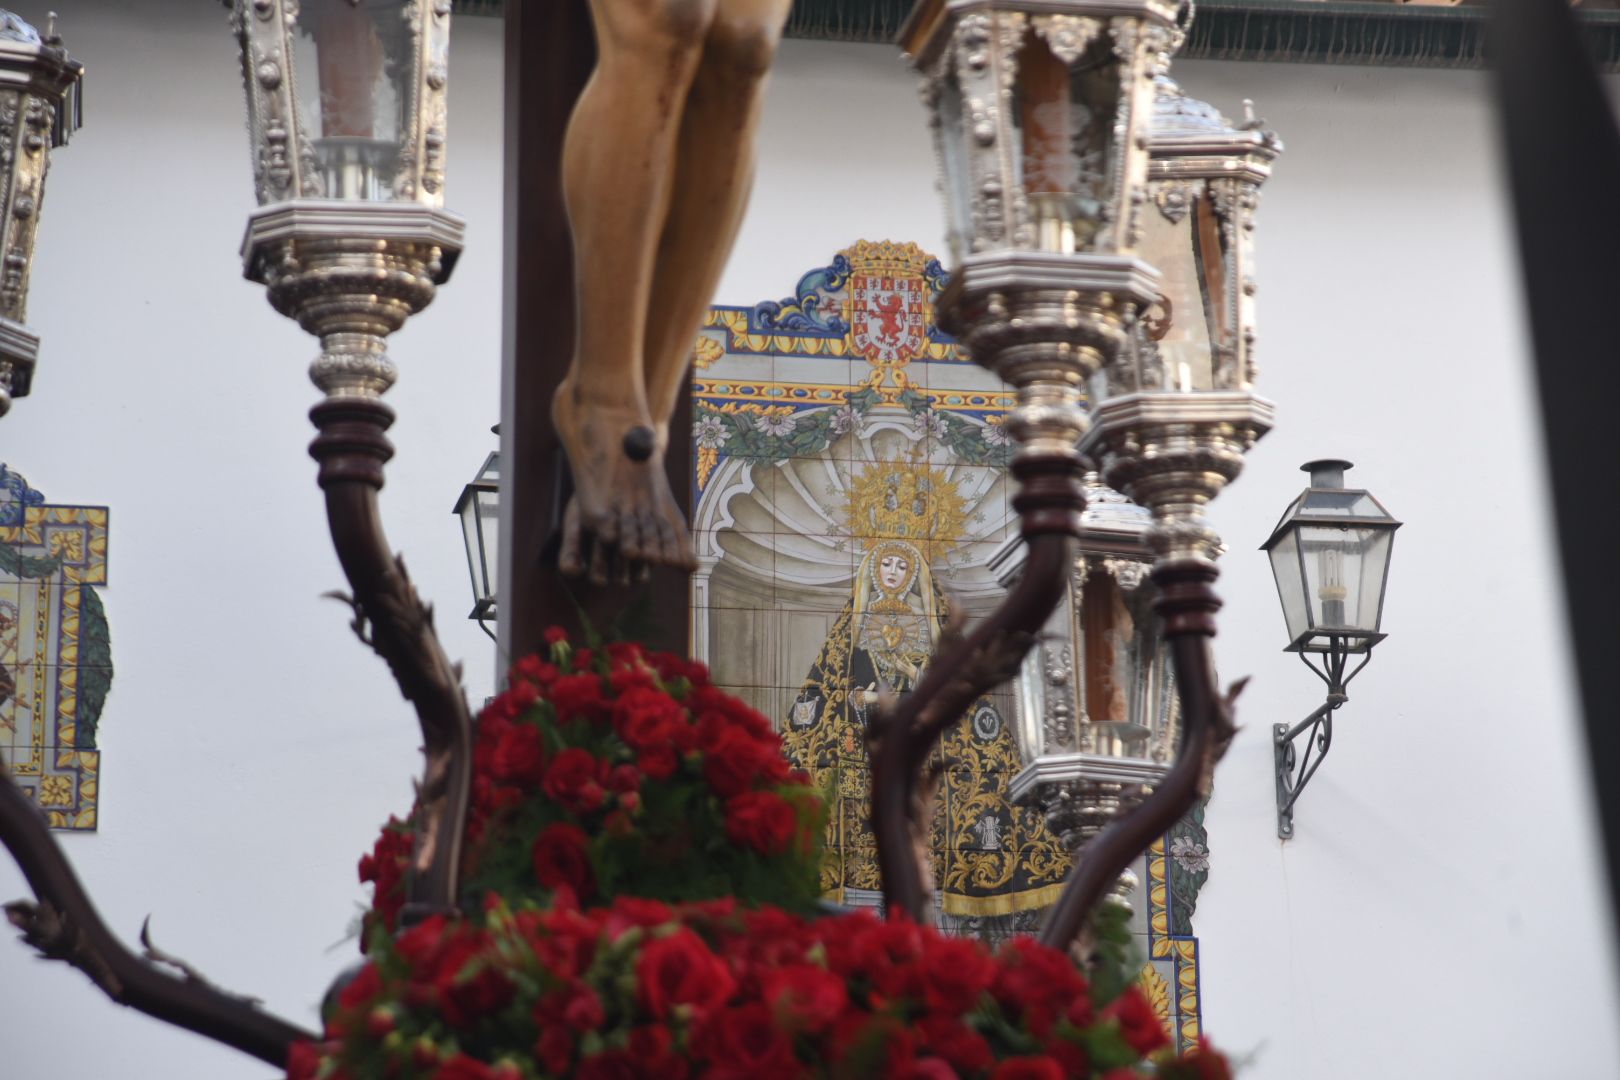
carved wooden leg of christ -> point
(656, 170)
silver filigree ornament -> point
(39, 111)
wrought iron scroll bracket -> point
(389, 616)
(1294, 769)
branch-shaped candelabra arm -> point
(1187, 604)
(351, 274)
(1293, 769)
(64, 925)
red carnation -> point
(462, 1067)
(680, 970)
(956, 973)
(554, 635)
(652, 1051)
(744, 1043)
(734, 759)
(572, 780)
(520, 756)
(361, 989)
(964, 1048)
(1137, 1021)
(303, 1061)
(644, 716)
(804, 997)
(1028, 1068)
(562, 858)
(579, 697)
(658, 762)
(554, 1049)
(762, 821)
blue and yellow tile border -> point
(56, 557)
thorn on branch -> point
(191, 974)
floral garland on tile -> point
(773, 433)
(646, 865)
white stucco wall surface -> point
(1437, 914)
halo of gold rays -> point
(910, 500)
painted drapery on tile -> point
(55, 654)
(850, 482)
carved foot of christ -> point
(623, 519)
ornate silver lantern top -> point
(39, 109)
(346, 98)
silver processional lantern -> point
(39, 110)
(479, 510)
(1097, 712)
(348, 126)
(1176, 411)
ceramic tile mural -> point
(55, 657)
(850, 480)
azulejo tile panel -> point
(850, 479)
(55, 649)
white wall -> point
(1438, 913)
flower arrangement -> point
(648, 868)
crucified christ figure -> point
(657, 168)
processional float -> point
(1100, 225)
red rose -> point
(572, 780)
(468, 985)
(1203, 1063)
(583, 1010)
(956, 973)
(520, 756)
(1069, 1055)
(303, 1061)
(644, 716)
(733, 760)
(462, 1067)
(658, 762)
(680, 970)
(554, 1050)
(421, 943)
(1036, 982)
(624, 779)
(562, 859)
(652, 1052)
(554, 635)
(361, 989)
(1028, 1068)
(608, 1065)
(964, 1048)
(1137, 1021)
(744, 1043)
(804, 997)
(629, 911)
(532, 669)
(578, 697)
(929, 1069)
(762, 821)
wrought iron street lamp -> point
(479, 509)
(39, 110)
(1330, 556)
(1097, 712)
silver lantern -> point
(1039, 111)
(1175, 412)
(39, 110)
(347, 121)
(1097, 712)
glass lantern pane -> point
(489, 532)
(1285, 567)
(1337, 563)
(1179, 327)
(1032, 704)
(353, 60)
(1064, 120)
(469, 537)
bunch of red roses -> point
(648, 865)
(615, 772)
(712, 989)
